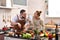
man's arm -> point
(13, 22)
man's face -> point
(24, 14)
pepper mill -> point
(56, 32)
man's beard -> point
(23, 17)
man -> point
(20, 20)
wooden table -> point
(1, 37)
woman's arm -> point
(42, 24)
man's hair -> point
(22, 11)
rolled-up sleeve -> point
(14, 19)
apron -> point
(22, 22)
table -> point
(11, 38)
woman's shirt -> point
(38, 24)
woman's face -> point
(35, 14)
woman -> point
(37, 22)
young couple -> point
(25, 23)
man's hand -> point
(19, 25)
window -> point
(53, 8)
(2, 2)
(5, 3)
(20, 2)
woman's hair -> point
(39, 12)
